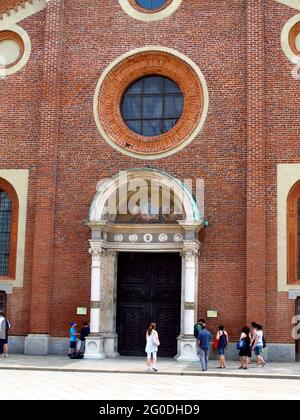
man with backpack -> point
(198, 327)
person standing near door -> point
(204, 340)
(152, 344)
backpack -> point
(77, 356)
(197, 330)
(264, 342)
(222, 341)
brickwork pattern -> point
(47, 116)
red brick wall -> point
(20, 98)
(217, 155)
(214, 35)
(283, 110)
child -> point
(73, 338)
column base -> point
(110, 345)
(36, 344)
(94, 347)
(187, 349)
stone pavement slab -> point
(136, 365)
(33, 385)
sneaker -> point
(155, 370)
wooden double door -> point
(149, 290)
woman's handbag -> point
(241, 345)
(216, 344)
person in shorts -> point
(258, 346)
(223, 340)
(152, 344)
(73, 338)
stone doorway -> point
(149, 290)
(144, 212)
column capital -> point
(111, 253)
(96, 252)
(190, 254)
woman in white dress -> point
(152, 347)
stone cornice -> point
(291, 3)
(14, 11)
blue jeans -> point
(204, 357)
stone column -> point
(187, 347)
(109, 306)
(94, 343)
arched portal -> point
(143, 215)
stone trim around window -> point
(288, 39)
(137, 64)
(18, 181)
(293, 234)
(288, 176)
(137, 12)
(11, 192)
(18, 34)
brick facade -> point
(47, 126)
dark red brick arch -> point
(292, 234)
(10, 35)
(292, 38)
(133, 68)
(9, 189)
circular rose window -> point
(11, 49)
(290, 39)
(150, 10)
(151, 103)
(152, 6)
(152, 106)
(294, 38)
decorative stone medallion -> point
(148, 238)
(163, 237)
(133, 238)
(119, 238)
(178, 237)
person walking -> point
(223, 341)
(73, 338)
(2, 332)
(258, 346)
(84, 333)
(245, 348)
(204, 340)
(4, 328)
(152, 344)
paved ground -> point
(28, 385)
(137, 366)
